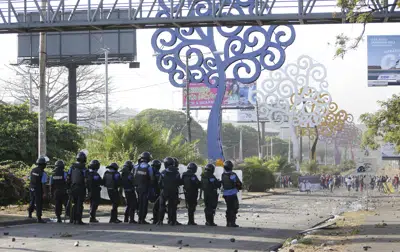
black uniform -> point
(129, 190)
(170, 180)
(210, 185)
(59, 188)
(76, 179)
(94, 183)
(37, 189)
(231, 185)
(191, 186)
(112, 181)
(155, 190)
(144, 178)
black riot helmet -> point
(60, 164)
(228, 165)
(81, 157)
(113, 166)
(94, 165)
(156, 164)
(168, 162)
(145, 157)
(129, 165)
(192, 167)
(41, 162)
(210, 168)
(176, 162)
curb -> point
(21, 222)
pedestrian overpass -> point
(21, 16)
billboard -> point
(236, 95)
(389, 152)
(78, 47)
(383, 60)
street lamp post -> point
(188, 118)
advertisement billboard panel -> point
(389, 152)
(236, 95)
(383, 60)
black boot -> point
(212, 220)
(126, 218)
(29, 215)
(191, 219)
(40, 220)
(93, 220)
(59, 219)
(80, 222)
(228, 221)
(233, 223)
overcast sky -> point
(147, 87)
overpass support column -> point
(72, 99)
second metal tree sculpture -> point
(246, 51)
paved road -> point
(264, 222)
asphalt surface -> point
(264, 222)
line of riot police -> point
(140, 183)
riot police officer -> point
(231, 185)
(37, 189)
(191, 185)
(76, 179)
(210, 185)
(170, 180)
(144, 178)
(112, 181)
(129, 190)
(58, 187)
(155, 191)
(94, 183)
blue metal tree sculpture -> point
(246, 52)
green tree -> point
(383, 124)
(175, 122)
(359, 11)
(125, 141)
(19, 135)
(280, 146)
(231, 140)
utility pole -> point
(30, 93)
(241, 146)
(258, 132)
(272, 148)
(188, 118)
(42, 86)
(290, 143)
(106, 51)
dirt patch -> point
(334, 238)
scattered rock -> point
(180, 247)
(258, 216)
(87, 245)
(179, 242)
(323, 245)
(13, 239)
(209, 242)
(186, 245)
(294, 241)
(66, 235)
(154, 246)
(235, 250)
(150, 229)
(34, 235)
(23, 243)
(2, 208)
(76, 244)
(232, 240)
(291, 250)
(6, 233)
(366, 248)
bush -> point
(13, 186)
(347, 165)
(310, 167)
(256, 176)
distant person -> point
(210, 185)
(308, 187)
(94, 183)
(58, 186)
(302, 186)
(37, 189)
(349, 182)
(76, 180)
(191, 186)
(231, 185)
(112, 181)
